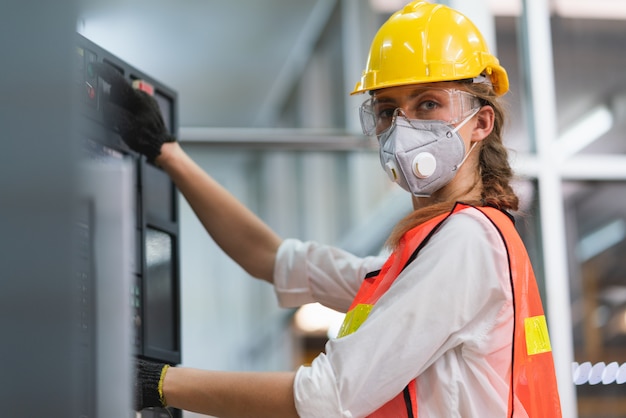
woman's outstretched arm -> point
(239, 232)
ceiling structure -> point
(222, 57)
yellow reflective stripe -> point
(537, 338)
(354, 318)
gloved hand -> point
(134, 113)
(149, 377)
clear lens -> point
(368, 119)
(448, 105)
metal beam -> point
(289, 139)
(579, 167)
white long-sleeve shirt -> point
(447, 322)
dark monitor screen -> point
(160, 314)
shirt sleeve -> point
(448, 297)
(306, 272)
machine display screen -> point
(159, 286)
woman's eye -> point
(386, 113)
(428, 105)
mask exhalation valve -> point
(424, 165)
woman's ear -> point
(484, 123)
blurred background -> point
(264, 107)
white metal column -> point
(540, 74)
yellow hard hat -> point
(427, 43)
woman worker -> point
(451, 324)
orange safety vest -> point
(533, 380)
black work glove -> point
(148, 377)
(134, 113)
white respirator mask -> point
(422, 156)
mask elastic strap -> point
(460, 125)
(473, 145)
(466, 155)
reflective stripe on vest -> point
(534, 390)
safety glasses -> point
(448, 105)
